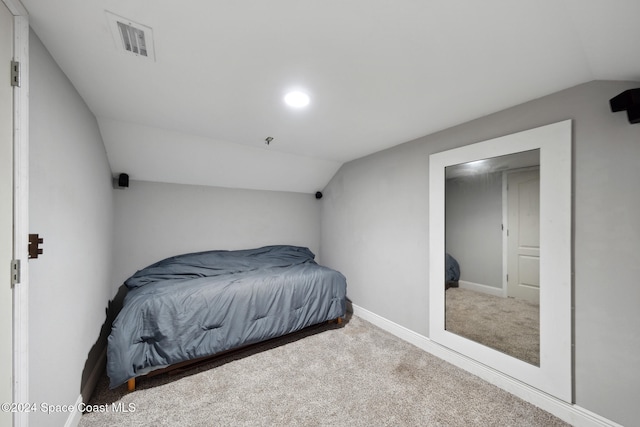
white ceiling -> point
(379, 72)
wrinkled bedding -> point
(451, 269)
(195, 305)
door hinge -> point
(15, 73)
(15, 272)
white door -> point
(523, 241)
(6, 211)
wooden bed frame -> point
(179, 367)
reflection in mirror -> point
(492, 245)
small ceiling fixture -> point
(297, 99)
(268, 140)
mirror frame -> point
(553, 376)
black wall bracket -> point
(628, 101)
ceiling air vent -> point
(131, 37)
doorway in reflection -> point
(492, 237)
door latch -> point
(34, 245)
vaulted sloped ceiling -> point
(379, 73)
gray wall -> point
(473, 220)
(375, 219)
(156, 220)
(71, 207)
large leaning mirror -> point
(500, 255)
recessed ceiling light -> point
(477, 163)
(297, 99)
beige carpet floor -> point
(505, 324)
(350, 375)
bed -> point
(451, 272)
(196, 305)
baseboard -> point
(74, 417)
(95, 375)
(572, 414)
(490, 290)
(595, 419)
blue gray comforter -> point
(196, 305)
(451, 269)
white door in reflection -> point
(523, 235)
